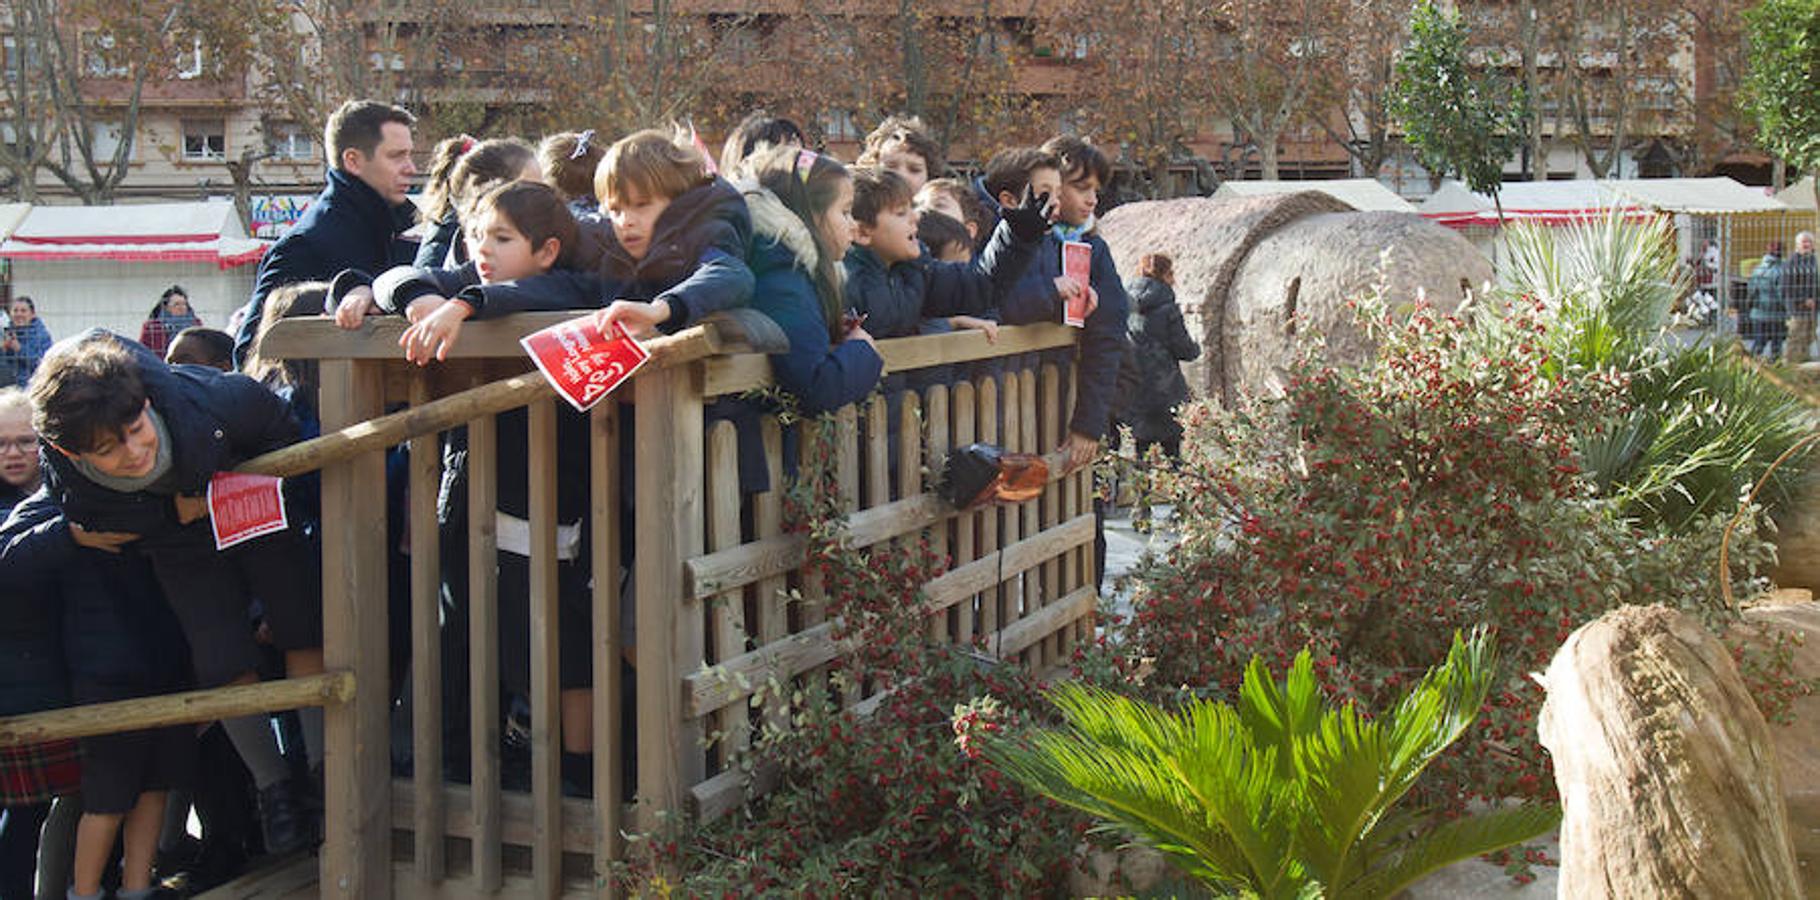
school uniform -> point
(209, 421)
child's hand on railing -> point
(857, 333)
(189, 508)
(354, 307)
(975, 324)
(433, 336)
(423, 306)
(639, 318)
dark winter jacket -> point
(442, 246)
(32, 676)
(1800, 285)
(216, 421)
(1101, 346)
(1763, 292)
(349, 226)
(34, 341)
(104, 612)
(1150, 380)
(822, 375)
(896, 299)
(696, 263)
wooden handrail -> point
(448, 412)
(186, 708)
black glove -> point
(1029, 219)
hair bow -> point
(581, 144)
(804, 162)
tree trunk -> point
(1667, 777)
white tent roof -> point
(157, 232)
(1359, 193)
(1799, 195)
(1559, 202)
(11, 214)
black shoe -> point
(282, 820)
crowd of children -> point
(106, 545)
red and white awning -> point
(160, 232)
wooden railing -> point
(715, 578)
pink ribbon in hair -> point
(804, 162)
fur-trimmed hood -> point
(774, 225)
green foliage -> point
(1462, 120)
(1782, 84)
(1280, 795)
(1699, 425)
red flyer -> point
(1077, 263)
(581, 363)
(243, 507)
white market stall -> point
(1363, 194)
(104, 266)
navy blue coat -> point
(823, 376)
(1103, 340)
(105, 617)
(896, 299)
(349, 226)
(216, 421)
(442, 244)
(31, 650)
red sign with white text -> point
(1077, 263)
(581, 363)
(243, 507)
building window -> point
(99, 58)
(204, 140)
(838, 125)
(104, 139)
(189, 59)
(289, 140)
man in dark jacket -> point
(1800, 287)
(130, 445)
(356, 221)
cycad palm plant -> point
(1280, 796)
(1700, 426)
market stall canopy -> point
(11, 214)
(1567, 202)
(1362, 194)
(158, 232)
(1799, 195)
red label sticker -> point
(1077, 263)
(582, 364)
(243, 507)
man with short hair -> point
(357, 220)
(1800, 284)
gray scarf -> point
(160, 468)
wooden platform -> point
(296, 878)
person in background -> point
(757, 132)
(904, 144)
(1151, 385)
(1800, 287)
(26, 340)
(31, 676)
(202, 347)
(1763, 301)
(955, 198)
(944, 235)
(171, 315)
(456, 181)
(568, 160)
(359, 219)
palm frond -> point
(1449, 843)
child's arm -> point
(974, 288)
(399, 286)
(823, 377)
(34, 540)
(557, 289)
(721, 279)
(890, 313)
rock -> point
(1118, 873)
(1797, 538)
(1797, 744)
(1242, 265)
(1666, 770)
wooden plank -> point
(777, 555)
(516, 815)
(669, 523)
(546, 655)
(1031, 510)
(609, 760)
(878, 452)
(737, 374)
(356, 849)
(773, 607)
(1011, 592)
(319, 338)
(727, 611)
(846, 455)
(965, 526)
(427, 847)
(1049, 421)
(730, 681)
(991, 602)
(1034, 629)
(483, 648)
(187, 708)
(910, 472)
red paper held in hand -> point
(583, 364)
(1077, 263)
(243, 507)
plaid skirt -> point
(38, 772)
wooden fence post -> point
(357, 849)
(668, 474)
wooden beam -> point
(427, 848)
(188, 708)
(318, 338)
(736, 374)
